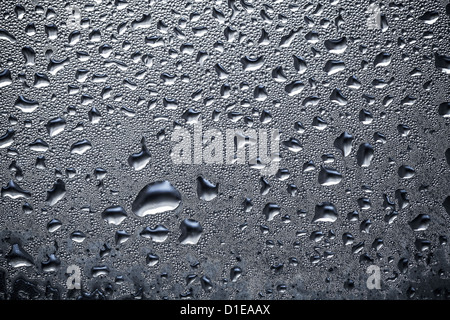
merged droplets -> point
(51, 264)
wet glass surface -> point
(228, 149)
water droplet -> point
(271, 210)
(152, 259)
(235, 274)
(329, 176)
(325, 212)
(18, 257)
(156, 197)
(7, 139)
(420, 223)
(14, 191)
(5, 78)
(191, 231)
(252, 64)
(336, 46)
(364, 155)
(53, 225)
(114, 215)
(139, 160)
(206, 190)
(81, 146)
(156, 234)
(406, 172)
(26, 105)
(56, 193)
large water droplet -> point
(14, 191)
(364, 155)
(329, 176)
(156, 234)
(420, 223)
(7, 139)
(406, 172)
(56, 193)
(26, 105)
(344, 143)
(271, 210)
(191, 231)
(325, 212)
(156, 197)
(81, 146)
(18, 257)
